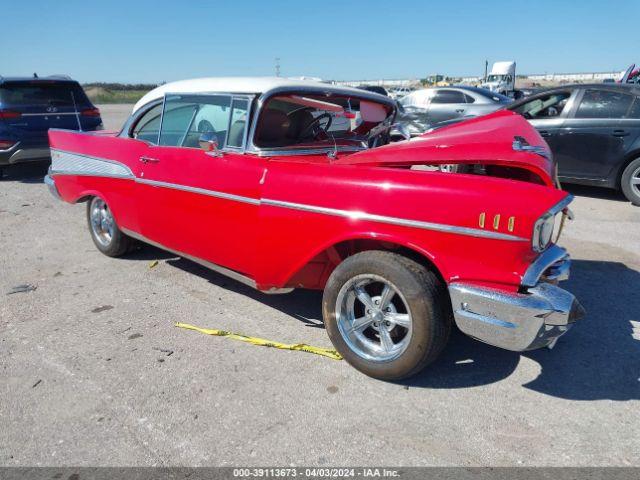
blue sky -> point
(163, 40)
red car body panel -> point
(249, 213)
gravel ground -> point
(94, 372)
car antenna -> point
(75, 109)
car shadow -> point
(303, 305)
(32, 172)
(595, 192)
(597, 359)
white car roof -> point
(253, 85)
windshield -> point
(303, 121)
(495, 78)
(39, 93)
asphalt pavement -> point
(94, 372)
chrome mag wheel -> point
(102, 224)
(373, 318)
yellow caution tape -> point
(325, 352)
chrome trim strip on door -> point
(69, 163)
(109, 168)
(201, 191)
(212, 266)
(358, 215)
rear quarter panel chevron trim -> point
(67, 163)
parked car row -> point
(422, 109)
(593, 130)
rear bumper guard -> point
(51, 184)
(519, 321)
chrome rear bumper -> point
(520, 321)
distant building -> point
(574, 77)
(595, 77)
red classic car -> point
(286, 184)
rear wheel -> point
(387, 315)
(630, 182)
(105, 234)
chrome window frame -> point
(127, 129)
(251, 147)
(249, 97)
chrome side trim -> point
(69, 163)
(201, 191)
(212, 266)
(551, 256)
(357, 215)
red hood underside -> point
(487, 140)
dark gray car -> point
(593, 132)
(423, 109)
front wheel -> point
(387, 315)
(105, 233)
(630, 182)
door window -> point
(238, 123)
(448, 96)
(187, 117)
(603, 104)
(148, 125)
(547, 106)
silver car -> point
(423, 109)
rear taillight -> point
(6, 144)
(90, 112)
(6, 114)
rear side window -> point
(546, 106)
(469, 98)
(448, 96)
(187, 117)
(42, 93)
(604, 104)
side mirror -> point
(401, 130)
(209, 143)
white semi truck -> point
(502, 78)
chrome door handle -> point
(144, 159)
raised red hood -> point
(484, 140)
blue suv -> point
(29, 107)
